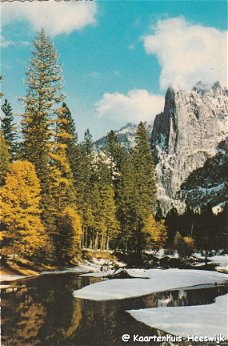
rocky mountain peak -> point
(125, 135)
(185, 136)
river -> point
(42, 311)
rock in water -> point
(189, 142)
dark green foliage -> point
(143, 167)
(43, 95)
(68, 237)
(83, 173)
(134, 185)
(126, 213)
(211, 229)
(122, 177)
(144, 184)
(116, 155)
(105, 224)
(184, 223)
(9, 129)
(96, 197)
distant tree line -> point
(205, 230)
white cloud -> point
(55, 17)
(4, 42)
(131, 46)
(137, 105)
(93, 74)
(188, 53)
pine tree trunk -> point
(83, 237)
(206, 257)
(102, 247)
(96, 241)
(107, 244)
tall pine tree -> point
(144, 182)
(9, 128)
(43, 96)
(83, 177)
(106, 226)
(47, 131)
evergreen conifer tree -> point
(48, 136)
(144, 183)
(106, 226)
(116, 155)
(84, 185)
(9, 128)
(68, 240)
(125, 204)
(43, 96)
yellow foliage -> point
(189, 241)
(155, 232)
(184, 245)
(21, 227)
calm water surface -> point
(43, 311)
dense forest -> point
(59, 197)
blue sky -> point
(118, 57)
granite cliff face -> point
(189, 146)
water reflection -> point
(42, 311)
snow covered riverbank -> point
(149, 281)
(96, 266)
(200, 320)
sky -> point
(118, 57)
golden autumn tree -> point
(4, 158)
(21, 229)
(154, 232)
(66, 234)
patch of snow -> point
(202, 320)
(4, 286)
(159, 280)
(11, 277)
(99, 274)
(221, 261)
(97, 268)
(218, 208)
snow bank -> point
(220, 260)
(92, 268)
(11, 277)
(156, 280)
(201, 320)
